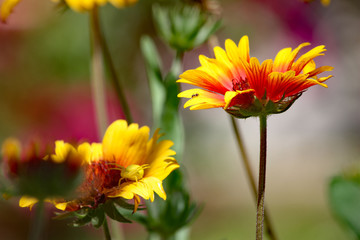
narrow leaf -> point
(153, 69)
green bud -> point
(184, 27)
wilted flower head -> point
(243, 87)
(125, 165)
(37, 174)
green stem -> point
(97, 75)
(244, 156)
(250, 176)
(175, 70)
(106, 230)
(116, 230)
(100, 51)
(113, 75)
(37, 224)
(262, 176)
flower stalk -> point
(262, 176)
(99, 51)
(97, 74)
(104, 50)
(106, 230)
(37, 225)
(268, 225)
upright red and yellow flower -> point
(77, 5)
(127, 164)
(243, 87)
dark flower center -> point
(240, 84)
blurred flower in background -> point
(86, 5)
(37, 174)
(77, 5)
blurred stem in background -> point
(99, 52)
(97, 74)
(99, 43)
(182, 27)
(167, 219)
(37, 223)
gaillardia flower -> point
(41, 176)
(77, 5)
(243, 87)
(125, 165)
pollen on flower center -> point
(134, 172)
(240, 84)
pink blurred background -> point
(45, 92)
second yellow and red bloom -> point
(243, 87)
(127, 164)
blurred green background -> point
(45, 92)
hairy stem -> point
(245, 159)
(262, 176)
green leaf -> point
(113, 213)
(124, 204)
(206, 31)
(62, 216)
(153, 69)
(82, 221)
(140, 218)
(97, 216)
(171, 122)
(345, 202)
(161, 18)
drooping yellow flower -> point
(126, 164)
(77, 5)
(243, 87)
